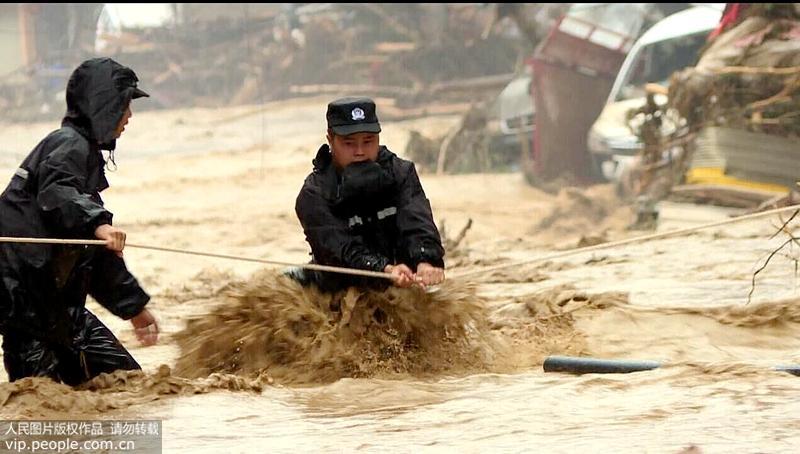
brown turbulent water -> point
(272, 364)
(250, 362)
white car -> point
(668, 46)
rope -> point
(628, 241)
(365, 273)
(308, 266)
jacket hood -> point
(323, 158)
(98, 93)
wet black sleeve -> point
(114, 287)
(419, 236)
(62, 177)
(331, 242)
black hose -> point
(577, 365)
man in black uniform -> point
(55, 193)
(363, 207)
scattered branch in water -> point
(452, 244)
(792, 240)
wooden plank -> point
(396, 113)
(494, 81)
(395, 47)
(725, 195)
(346, 88)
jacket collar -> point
(324, 160)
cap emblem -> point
(357, 114)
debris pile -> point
(748, 77)
(736, 114)
(406, 55)
(467, 147)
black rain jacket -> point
(370, 215)
(55, 193)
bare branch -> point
(772, 254)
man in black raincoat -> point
(55, 193)
(363, 207)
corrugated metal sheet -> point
(749, 155)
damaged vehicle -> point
(669, 46)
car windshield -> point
(656, 62)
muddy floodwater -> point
(250, 362)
